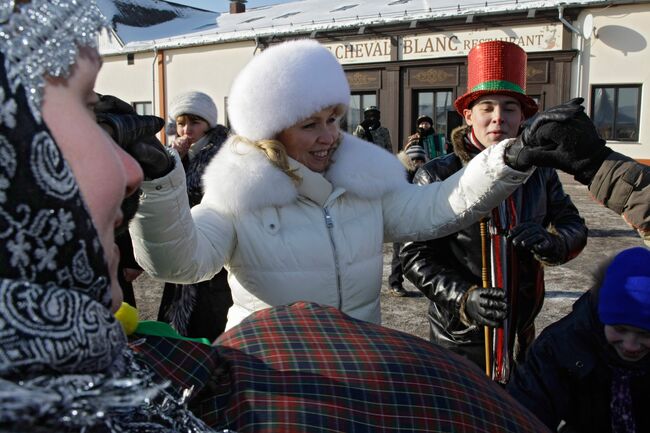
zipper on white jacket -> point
(330, 224)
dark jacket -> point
(433, 146)
(127, 260)
(194, 169)
(623, 185)
(378, 135)
(201, 309)
(445, 269)
(567, 375)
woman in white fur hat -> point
(196, 310)
(294, 208)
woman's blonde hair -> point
(277, 153)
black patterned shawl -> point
(64, 362)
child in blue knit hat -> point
(624, 304)
(590, 371)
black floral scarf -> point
(64, 360)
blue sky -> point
(223, 5)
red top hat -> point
(496, 67)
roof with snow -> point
(136, 21)
(169, 25)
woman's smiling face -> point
(313, 141)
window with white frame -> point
(143, 108)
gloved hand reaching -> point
(562, 137)
(518, 153)
(559, 113)
(135, 134)
(485, 307)
(544, 245)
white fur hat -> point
(284, 85)
(196, 103)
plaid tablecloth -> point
(309, 368)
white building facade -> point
(410, 60)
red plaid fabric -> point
(309, 368)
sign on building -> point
(451, 44)
(364, 51)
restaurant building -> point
(406, 57)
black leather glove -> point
(518, 153)
(565, 141)
(578, 149)
(112, 104)
(559, 113)
(486, 307)
(544, 245)
(135, 134)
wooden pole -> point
(162, 92)
(486, 283)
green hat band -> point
(498, 85)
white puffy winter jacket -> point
(320, 241)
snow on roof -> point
(192, 26)
(148, 20)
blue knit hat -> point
(625, 293)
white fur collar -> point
(240, 177)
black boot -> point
(398, 291)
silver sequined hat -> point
(43, 38)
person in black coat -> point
(412, 157)
(547, 228)
(425, 136)
(590, 371)
(446, 269)
(200, 309)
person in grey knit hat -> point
(194, 114)
(200, 309)
(196, 103)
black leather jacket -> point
(568, 376)
(445, 269)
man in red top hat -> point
(537, 225)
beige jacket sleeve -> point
(621, 184)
